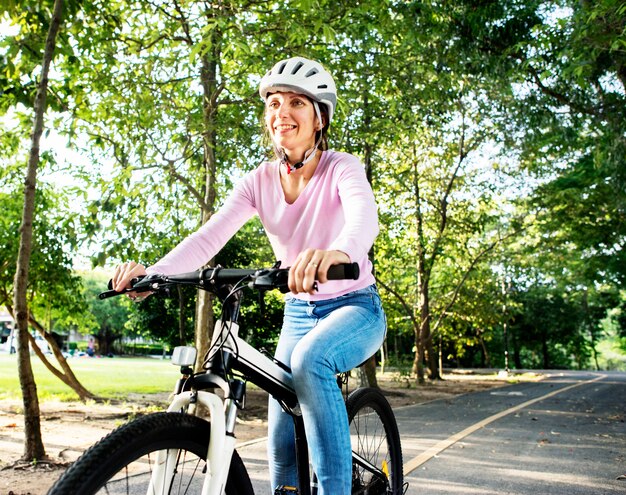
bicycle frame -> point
(227, 354)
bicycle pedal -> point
(286, 490)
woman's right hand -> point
(311, 264)
(124, 273)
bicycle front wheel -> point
(377, 455)
(123, 462)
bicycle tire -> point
(375, 437)
(130, 451)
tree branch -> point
(400, 299)
(466, 275)
(561, 98)
(444, 199)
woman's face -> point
(291, 121)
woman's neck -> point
(297, 155)
(303, 173)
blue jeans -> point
(318, 340)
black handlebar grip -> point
(345, 271)
(108, 293)
(113, 293)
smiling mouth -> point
(284, 127)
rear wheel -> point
(123, 462)
(377, 455)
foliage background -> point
(493, 134)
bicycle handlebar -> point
(212, 278)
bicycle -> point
(178, 452)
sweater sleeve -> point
(197, 249)
(360, 211)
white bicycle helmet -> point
(300, 75)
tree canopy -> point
(493, 134)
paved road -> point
(565, 435)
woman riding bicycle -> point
(318, 210)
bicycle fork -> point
(220, 449)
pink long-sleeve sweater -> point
(336, 210)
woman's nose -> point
(282, 109)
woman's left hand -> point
(311, 265)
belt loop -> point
(310, 308)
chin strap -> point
(308, 155)
(284, 159)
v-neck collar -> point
(318, 170)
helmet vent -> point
(282, 68)
(297, 67)
(323, 86)
(312, 72)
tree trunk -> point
(369, 372)
(418, 362)
(486, 358)
(423, 337)
(33, 444)
(205, 322)
(431, 357)
(181, 316)
(545, 351)
(424, 340)
(205, 319)
(517, 357)
(422, 284)
(369, 367)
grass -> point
(110, 378)
(612, 355)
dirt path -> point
(68, 428)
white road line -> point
(250, 442)
(439, 447)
